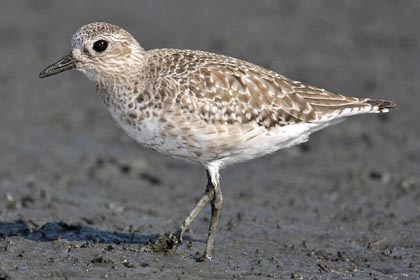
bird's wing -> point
(225, 89)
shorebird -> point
(202, 107)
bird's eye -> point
(100, 45)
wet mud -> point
(80, 200)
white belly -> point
(219, 147)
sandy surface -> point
(79, 199)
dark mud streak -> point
(52, 231)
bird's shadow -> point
(52, 231)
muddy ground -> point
(79, 199)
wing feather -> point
(223, 89)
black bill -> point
(66, 63)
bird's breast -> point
(150, 129)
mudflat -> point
(79, 199)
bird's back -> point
(223, 89)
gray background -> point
(73, 186)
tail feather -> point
(381, 106)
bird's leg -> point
(169, 242)
(208, 195)
(216, 206)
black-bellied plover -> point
(203, 107)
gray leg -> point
(208, 195)
(216, 206)
(169, 242)
(214, 194)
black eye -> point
(100, 45)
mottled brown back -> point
(222, 89)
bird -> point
(202, 107)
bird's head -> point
(99, 50)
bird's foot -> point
(166, 243)
(179, 234)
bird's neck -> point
(119, 88)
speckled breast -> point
(147, 129)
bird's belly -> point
(206, 143)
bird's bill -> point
(66, 63)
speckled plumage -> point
(204, 107)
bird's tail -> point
(381, 106)
(338, 106)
